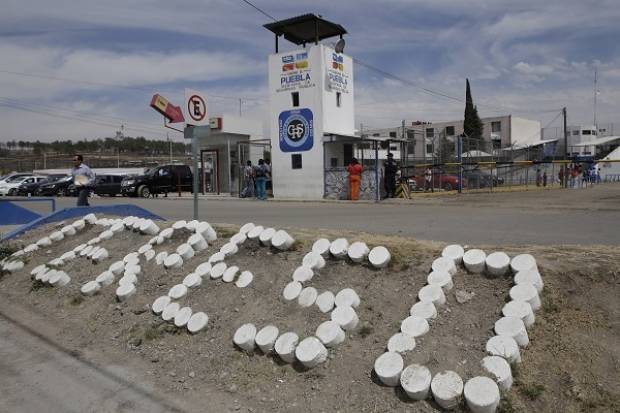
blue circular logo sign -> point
(296, 130)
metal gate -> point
(251, 151)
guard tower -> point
(311, 102)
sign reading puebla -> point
(296, 73)
(337, 76)
(296, 130)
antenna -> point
(595, 95)
(339, 47)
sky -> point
(80, 69)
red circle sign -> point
(196, 108)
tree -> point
(472, 125)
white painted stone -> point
(475, 261)
(521, 310)
(132, 256)
(266, 338)
(59, 279)
(182, 317)
(128, 221)
(447, 389)
(197, 322)
(90, 218)
(282, 240)
(56, 262)
(44, 242)
(303, 274)
(245, 279)
(197, 242)
(178, 291)
(144, 248)
(209, 234)
(379, 257)
(179, 225)
(56, 236)
(246, 228)
(401, 343)
(192, 225)
(93, 251)
(80, 248)
(339, 248)
(217, 257)
(325, 301)
(416, 381)
(481, 395)
(230, 274)
(239, 238)
(185, 251)
(311, 352)
(133, 269)
(105, 278)
(499, 368)
(167, 233)
(285, 346)
(330, 333)
(218, 270)
(292, 290)
(414, 326)
(307, 297)
(38, 269)
(497, 264)
(117, 228)
(526, 292)
(432, 293)
(203, 269)
(159, 240)
(68, 230)
(90, 288)
(345, 317)
(160, 258)
(442, 279)
(530, 277)
(192, 280)
(173, 261)
(347, 297)
(149, 255)
(117, 268)
(245, 337)
(100, 255)
(128, 278)
(106, 235)
(454, 252)
(68, 256)
(31, 248)
(255, 232)
(523, 262)
(160, 303)
(79, 224)
(170, 311)
(513, 327)
(358, 251)
(444, 264)
(321, 246)
(504, 346)
(266, 235)
(389, 367)
(313, 260)
(94, 241)
(137, 224)
(229, 249)
(42, 274)
(18, 253)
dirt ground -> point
(571, 365)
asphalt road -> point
(585, 216)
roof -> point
(530, 145)
(599, 141)
(476, 154)
(306, 28)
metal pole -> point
(229, 166)
(459, 146)
(377, 195)
(196, 171)
(565, 149)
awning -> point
(531, 145)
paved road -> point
(548, 217)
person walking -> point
(268, 186)
(561, 175)
(355, 178)
(428, 179)
(389, 176)
(83, 179)
(260, 174)
(248, 181)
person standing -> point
(261, 179)
(389, 176)
(561, 175)
(355, 178)
(83, 179)
(248, 181)
(428, 179)
(268, 181)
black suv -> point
(158, 180)
(108, 184)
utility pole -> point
(565, 149)
(595, 94)
(240, 103)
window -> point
(376, 134)
(430, 132)
(586, 132)
(392, 134)
(429, 148)
(575, 132)
(497, 143)
(411, 148)
(594, 132)
(296, 161)
(449, 130)
(295, 96)
(338, 99)
(333, 162)
(411, 134)
(393, 147)
(496, 126)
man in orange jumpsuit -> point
(355, 177)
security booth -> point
(312, 113)
(225, 146)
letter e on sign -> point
(195, 108)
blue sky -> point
(101, 61)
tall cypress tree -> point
(472, 125)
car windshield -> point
(16, 179)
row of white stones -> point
(481, 393)
(202, 233)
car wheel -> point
(144, 191)
(11, 192)
(447, 186)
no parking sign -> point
(296, 130)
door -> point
(209, 166)
(162, 180)
(253, 151)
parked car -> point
(12, 177)
(157, 180)
(31, 188)
(59, 187)
(478, 178)
(108, 185)
(10, 188)
(448, 182)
